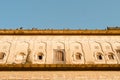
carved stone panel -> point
(21, 52)
(39, 53)
(98, 54)
(4, 51)
(110, 55)
(77, 54)
(59, 55)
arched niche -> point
(39, 53)
(40, 56)
(117, 50)
(2, 55)
(78, 56)
(21, 57)
(110, 54)
(77, 53)
(4, 51)
(59, 55)
(99, 57)
(97, 52)
(21, 52)
(111, 58)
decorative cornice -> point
(59, 32)
(60, 67)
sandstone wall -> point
(60, 75)
(41, 49)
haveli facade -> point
(79, 53)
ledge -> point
(59, 67)
(59, 32)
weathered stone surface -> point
(60, 54)
(87, 46)
(26, 49)
(61, 75)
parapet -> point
(60, 32)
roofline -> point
(60, 32)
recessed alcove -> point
(2, 55)
(78, 56)
(20, 56)
(99, 56)
(40, 56)
(111, 56)
(59, 56)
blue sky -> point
(59, 14)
